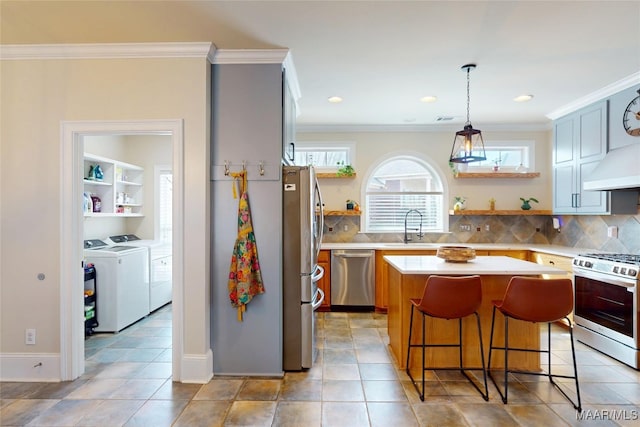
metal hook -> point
(261, 168)
(226, 168)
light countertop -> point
(548, 249)
(483, 265)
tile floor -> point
(354, 383)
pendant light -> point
(468, 145)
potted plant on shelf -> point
(345, 170)
(459, 204)
(525, 203)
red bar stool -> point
(448, 298)
(535, 300)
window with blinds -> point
(324, 156)
(399, 185)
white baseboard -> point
(30, 367)
(197, 368)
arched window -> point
(398, 185)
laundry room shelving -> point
(119, 190)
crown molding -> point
(596, 96)
(108, 51)
(346, 128)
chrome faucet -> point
(407, 238)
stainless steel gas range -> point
(606, 304)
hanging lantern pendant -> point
(468, 145)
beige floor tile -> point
(534, 415)
(111, 413)
(333, 356)
(378, 354)
(172, 390)
(342, 391)
(137, 389)
(348, 371)
(258, 389)
(21, 411)
(56, 390)
(157, 413)
(254, 414)
(301, 390)
(486, 414)
(97, 389)
(121, 370)
(294, 414)
(377, 371)
(384, 414)
(383, 391)
(345, 414)
(203, 413)
(219, 389)
(441, 415)
(65, 413)
(155, 370)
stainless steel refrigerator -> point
(302, 235)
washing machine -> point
(160, 267)
(122, 282)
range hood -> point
(619, 170)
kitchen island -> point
(407, 276)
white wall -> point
(37, 95)
(372, 147)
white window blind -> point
(397, 186)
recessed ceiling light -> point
(334, 99)
(429, 98)
(523, 98)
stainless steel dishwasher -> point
(353, 278)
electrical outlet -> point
(487, 228)
(612, 231)
(30, 336)
(465, 227)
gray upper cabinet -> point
(580, 142)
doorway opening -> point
(128, 204)
(77, 137)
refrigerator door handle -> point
(318, 301)
(317, 274)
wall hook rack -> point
(262, 172)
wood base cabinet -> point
(324, 261)
(382, 272)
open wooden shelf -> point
(497, 175)
(349, 212)
(334, 175)
(501, 212)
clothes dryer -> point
(160, 267)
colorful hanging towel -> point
(245, 278)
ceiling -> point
(383, 56)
